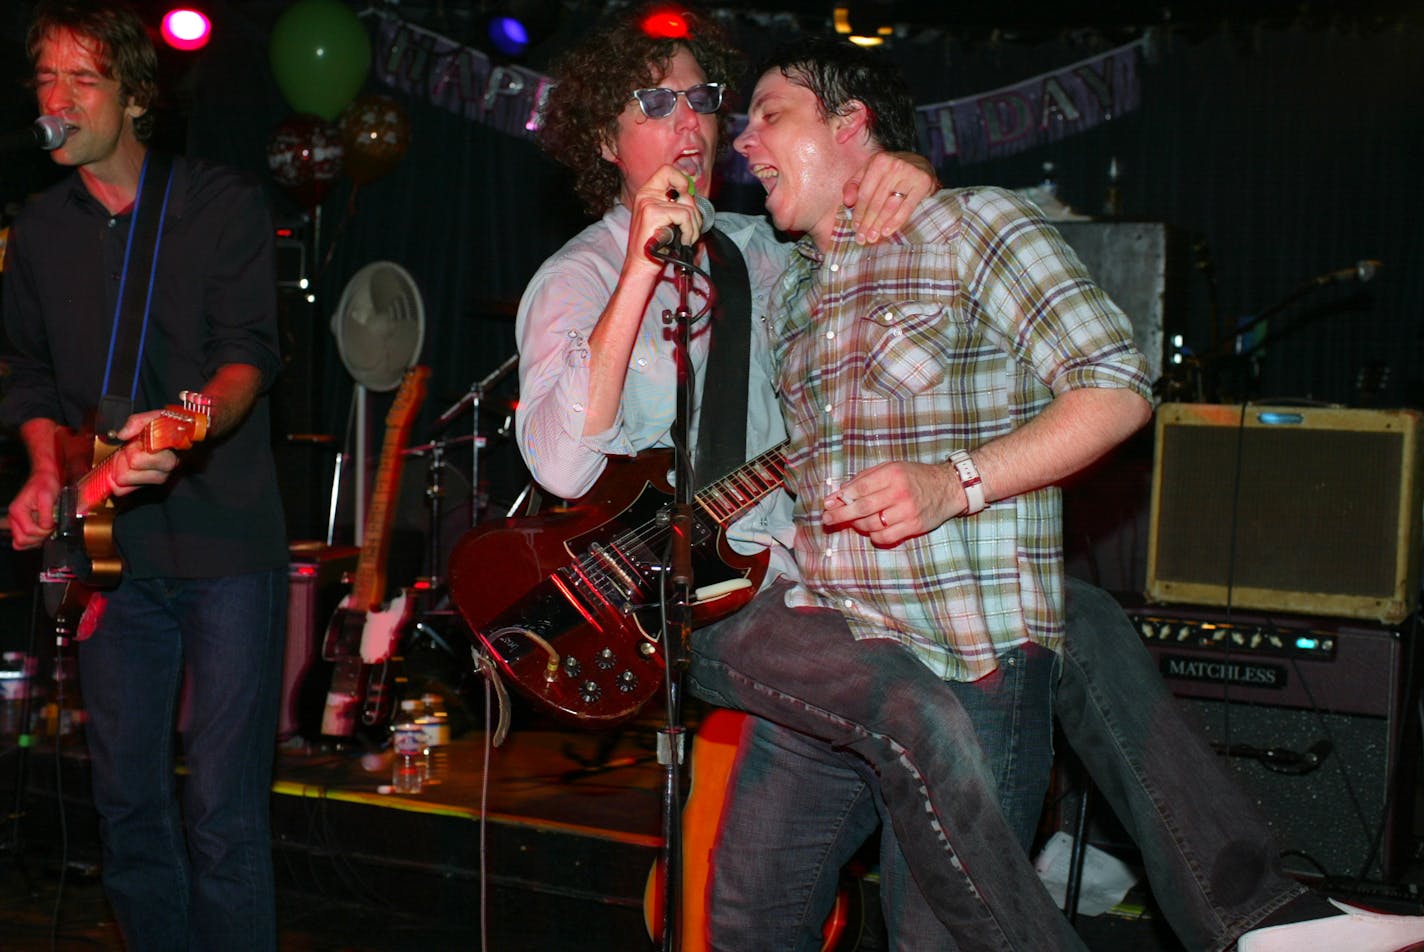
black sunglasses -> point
(658, 103)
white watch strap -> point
(970, 479)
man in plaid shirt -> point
(935, 388)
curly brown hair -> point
(594, 80)
(114, 34)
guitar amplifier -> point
(314, 589)
(1313, 717)
(1296, 509)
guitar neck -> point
(176, 427)
(732, 495)
(94, 488)
(368, 588)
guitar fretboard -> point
(733, 494)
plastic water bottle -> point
(435, 727)
(407, 767)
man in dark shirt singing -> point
(200, 604)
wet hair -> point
(839, 73)
(594, 81)
(115, 35)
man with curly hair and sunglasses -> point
(639, 120)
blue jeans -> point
(1212, 861)
(1213, 864)
(878, 713)
(199, 877)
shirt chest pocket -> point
(903, 347)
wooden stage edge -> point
(556, 846)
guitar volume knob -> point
(590, 692)
(627, 682)
(571, 666)
(605, 658)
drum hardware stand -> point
(472, 398)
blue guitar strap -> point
(135, 298)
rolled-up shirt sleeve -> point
(559, 310)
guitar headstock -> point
(179, 426)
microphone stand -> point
(1236, 345)
(677, 599)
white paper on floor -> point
(1105, 879)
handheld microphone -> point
(47, 132)
(668, 239)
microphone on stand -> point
(1363, 271)
(667, 240)
(47, 132)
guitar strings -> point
(646, 537)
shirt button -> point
(642, 361)
(848, 604)
(835, 268)
(829, 408)
(578, 407)
(113, 222)
(830, 335)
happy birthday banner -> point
(1046, 108)
(459, 78)
(1013, 119)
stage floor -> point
(543, 844)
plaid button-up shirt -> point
(958, 330)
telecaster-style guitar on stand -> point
(567, 602)
(365, 630)
(80, 555)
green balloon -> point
(320, 55)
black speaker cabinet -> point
(1300, 509)
(1313, 717)
(314, 590)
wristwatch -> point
(970, 480)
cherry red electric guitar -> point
(567, 602)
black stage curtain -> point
(1284, 154)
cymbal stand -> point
(472, 399)
(434, 494)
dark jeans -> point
(886, 717)
(199, 877)
(1212, 862)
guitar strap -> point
(722, 427)
(135, 297)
